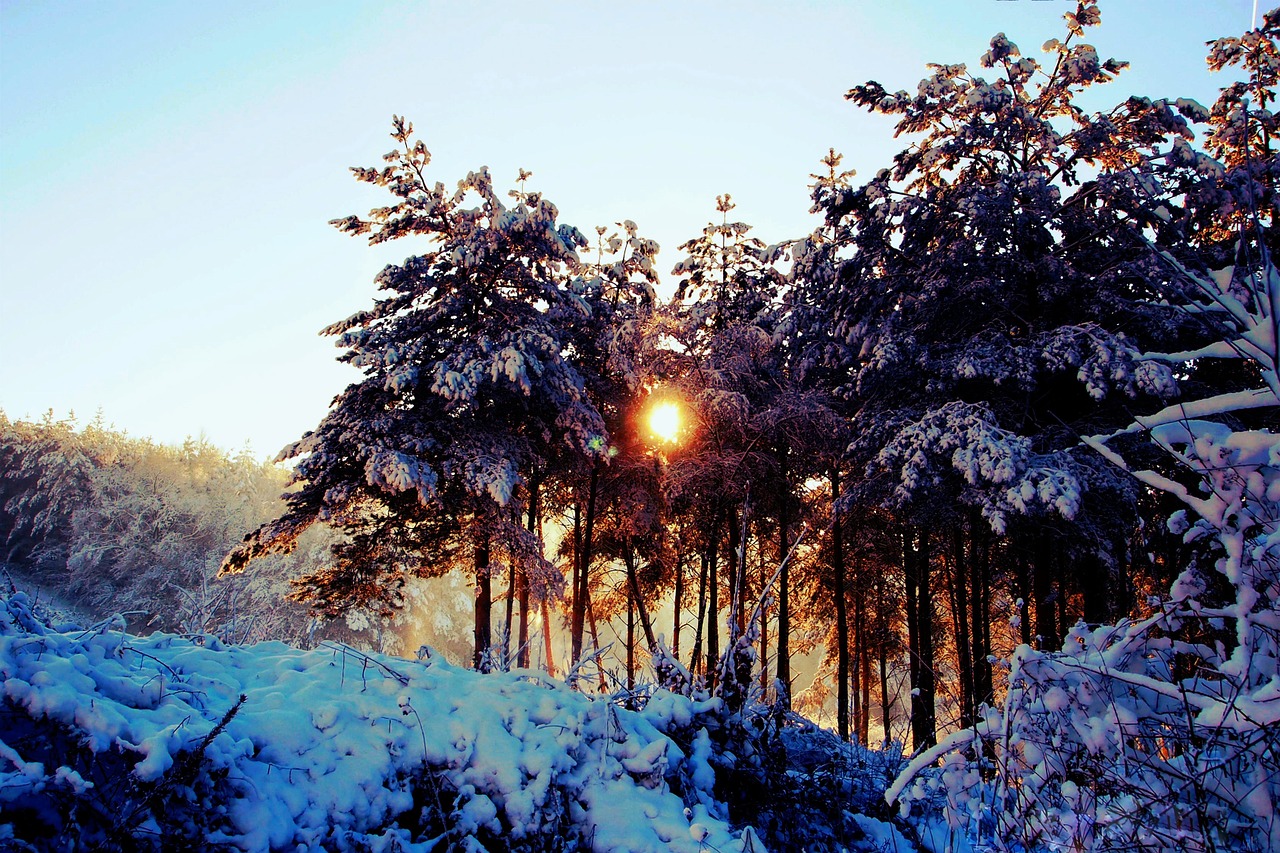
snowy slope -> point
(329, 749)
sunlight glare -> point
(664, 421)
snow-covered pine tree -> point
(618, 284)
(468, 390)
(815, 369)
(977, 292)
(1162, 732)
(46, 476)
(730, 362)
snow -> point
(338, 749)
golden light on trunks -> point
(664, 421)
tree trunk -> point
(920, 637)
(595, 639)
(695, 659)
(1025, 595)
(980, 587)
(851, 648)
(783, 664)
(522, 653)
(864, 666)
(631, 634)
(960, 606)
(927, 676)
(484, 601)
(1045, 594)
(584, 566)
(741, 566)
(886, 701)
(633, 590)
(842, 612)
(713, 602)
(764, 631)
(510, 599)
(1095, 587)
(575, 610)
(679, 596)
(735, 593)
(912, 583)
(546, 639)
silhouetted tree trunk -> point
(580, 594)
(633, 590)
(509, 600)
(734, 591)
(1045, 593)
(1023, 568)
(546, 639)
(740, 563)
(695, 659)
(631, 637)
(484, 601)
(595, 639)
(850, 647)
(575, 620)
(783, 664)
(522, 654)
(915, 560)
(960, 609)
(864, 666)
(886, 701)
(764, 635)
(980, 585)
(1095, 588)
(713, 601)
(842, 614)
(679, 596)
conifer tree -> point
(1163, 731)
(721, 319)
(468, 392)
(987, 306)
(610, 343)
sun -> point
(664, 422)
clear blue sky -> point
(167, 169)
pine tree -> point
(986, 303)
(469, 392)
(1161, 731)
(611, 346)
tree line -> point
(94, 522)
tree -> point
(611, 344)
(732, 360)
(469, 392)
(1162, 731)
(46, 477)
(986, 307)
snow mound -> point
(111, 741)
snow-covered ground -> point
(108, 739)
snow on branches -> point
(1162, 732)
(470, 384)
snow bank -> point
(101, 733)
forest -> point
(954, 524)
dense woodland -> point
(96, 522)
(934, 443)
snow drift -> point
(109, 740)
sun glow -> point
(664, 422)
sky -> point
(168, 170)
